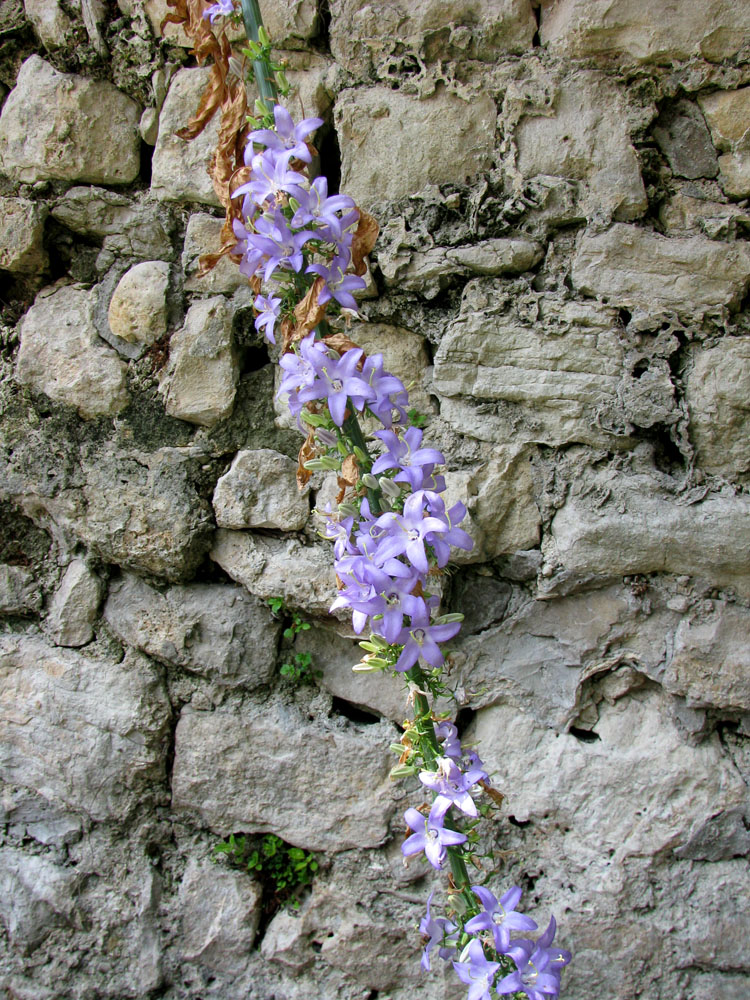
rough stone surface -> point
(735, 174)
(278, 567)
(363, 35)
(392, 144)
(87, 735)
(220, 914)
(36, 896)
(129, 227)
(21, 233)
(260, 491)
(685, 215)
(506, 379)
(179, 169)
(683, 137)
(636, 527)
(502, 503)
(585, 140)
(289, 23)
(216, 630)
(628, 29)
(292, 764)
(62, 355)
(200, 382)
(203, 236)
(728, 117)
(710, 664)
(74, 606)
(649, 274)
(51, 23)
(88, 132)
(19, 591)
(138, 308)
(404, 354)
(717, 397)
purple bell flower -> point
(539, 967)
(499, 917)
(476, 971)
(429, 836)
(438, 931)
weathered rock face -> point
(21, 230)
(216, 630)
(245, 496)
(200, 381)
(292, 764)
(74, 606)
(203, 235)
(62, 355)
(629, 30)
(88, 132)
(392, 144)
(129, 227)
(86, 735)
(138, 308)
(179, 170)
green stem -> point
(353, 431)
(264, 78)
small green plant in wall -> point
(298, 667)
(282, 869)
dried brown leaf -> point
(497, 797)
(287, 330)
(340, 342)
(306, 452)
(308, 313)
(364, 240)
(350, 471)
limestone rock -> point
(289, 23)
(203, 236)
(138, 308)
(717, 396)
(51, 23)
(393, 145)
(585, 138)
(290, 788)
(74, 606)
(157, 10)
(728, 117)
(260, 491)
(710, 663)
(200, 381)
(735, 174)
(535, 658)
(367, 34)
(62, 356)
(404, 354)
(309, 88)
(19, 592)
(652, 275)
(88, 735)
(502, 503)
(431, 271)
(631, 30)
(130, 228)
(21, 235)
(220, 912)
(216, 630)
(642, 529)
(278, 567)
(683, 137)
(36, 896)
(686, 215)
(179, 169)
(525, 383)
(88, 132)
(639, 758)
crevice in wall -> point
(584, 735)
(536, 9)
(322, 40)
(329, 154)
(353, 712)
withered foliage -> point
(347, 477)
(308, 451)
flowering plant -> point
(303, 251)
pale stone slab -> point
(710, 664)
(645, 31)
(289, 23)
(278, 567)
(643, 529)
(179, 169)
(652, 275)
(393, 145)
(728, 115)
(220, 912)
(203, 236)
(289, 789)
(685, 215)
(735, 174)
(88, 735)
(131, 228)
(502, 504)
(21, 235)
(404, 355)
(525, 384)
(216, 630)
(260, 491)
(51, 23)
(368, 34)
(36, 896)
(62, 355)
(200, 381)
(585, 137)
(74, 606)
(682, 135)
(88, 131)
(19, 592)
(717, 393)
(138, 308)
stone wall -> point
(562, 273)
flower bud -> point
(369, 481)
(388, 487)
